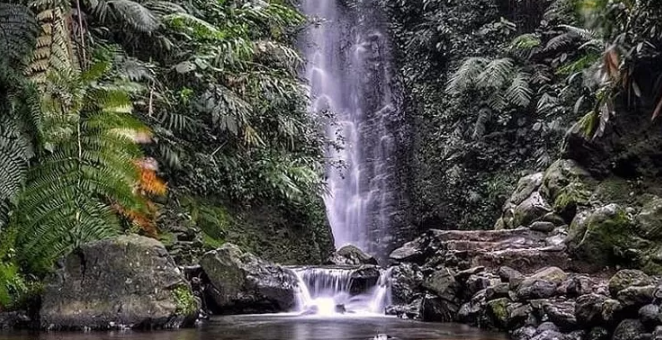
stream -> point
(286, 327)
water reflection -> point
(278, 327)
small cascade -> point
(336, 291)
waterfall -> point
(336, 291)
(349, 72)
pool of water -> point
(284, 327)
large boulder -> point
(350, 256)
(526, 186)
(243, 283)
(603, 237)
(588, 309)
(127, 281)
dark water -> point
(285, 328)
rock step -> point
(526, 260)
(487, 235)
(520, 243)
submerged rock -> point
(243, 283)
(127, 281)
(351, 256)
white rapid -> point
(349, 75)
(334, 291)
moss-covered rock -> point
(649, 220)
(498, 312)
(628, 278)
(127, 281)
(597, 237)
(563, 173)
(570, 198)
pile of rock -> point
(547, 304)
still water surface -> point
(279, 327)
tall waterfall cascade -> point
(349, 72)
(334, 291)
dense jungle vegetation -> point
(493, 87)
(186, 120)
(124, 116)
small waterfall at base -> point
(337, 291)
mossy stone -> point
(498, 310)
(595, 236)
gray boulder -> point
(530, 210)
(406, 282)
(629, 329)
(243, 283)
(628, 278)
(562, 314)
(127, 281)
(435, 309)
(351, 256)
(542, 226)
(588, 309)
(413, 251)
(648, 315)
(636, 297)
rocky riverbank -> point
(522, 282)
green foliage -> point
(20, 119)
(70, 194)
(185, 300)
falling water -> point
(331, 291)
(349, 72)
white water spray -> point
(331, 292)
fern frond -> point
(466, 75)
(546, 103)
(519, 92)
(190, 23)
(54, 51)
(130, 12)
(497, 73)
(18, 33)
(525, 42)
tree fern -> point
(73, 195)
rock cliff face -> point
(125, 282)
